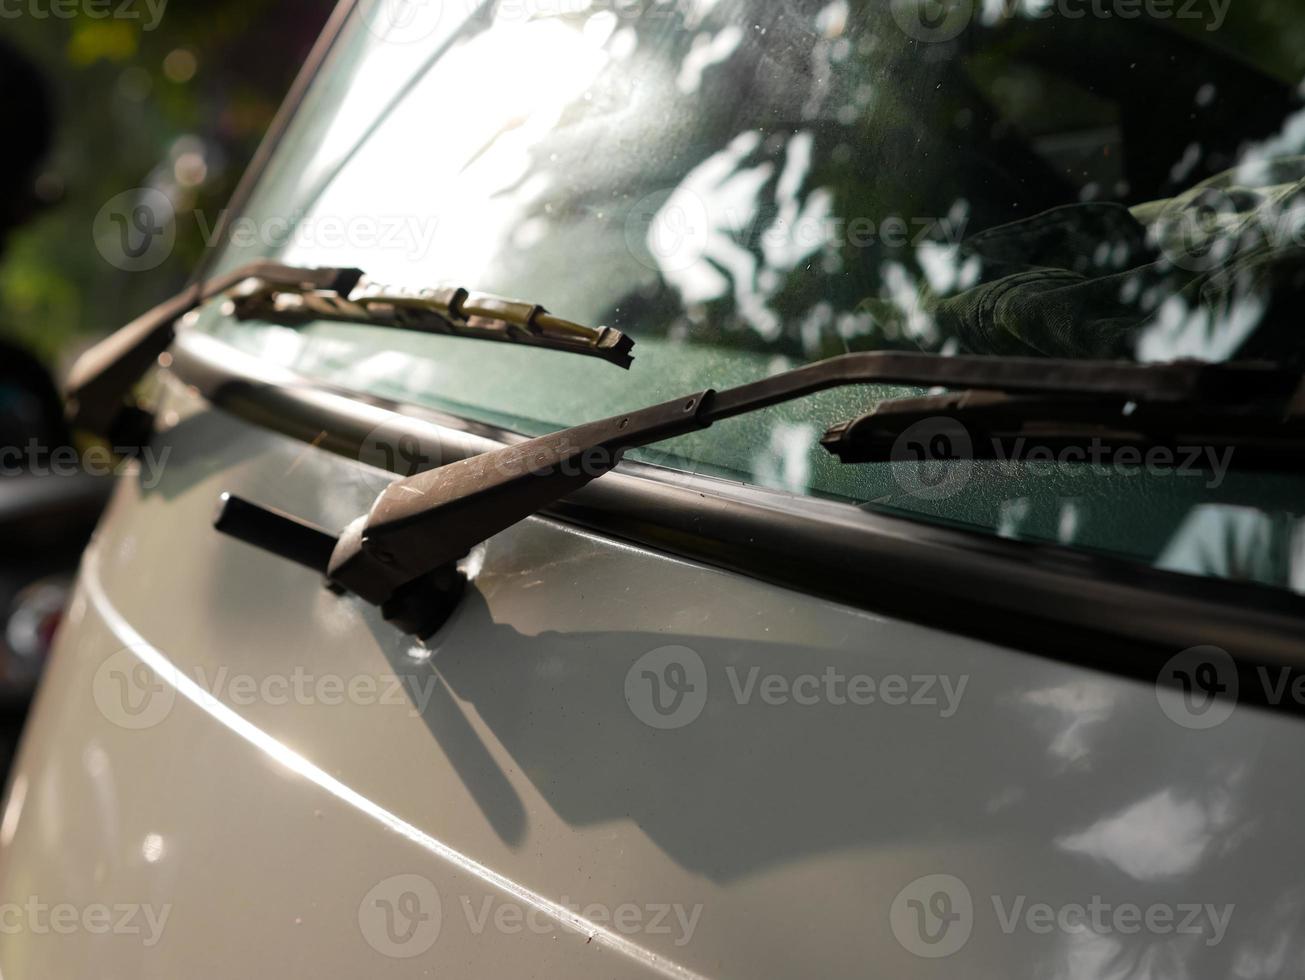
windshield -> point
(744, 188)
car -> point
(884, 560)
(50, 501)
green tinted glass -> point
(743, 189)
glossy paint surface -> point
(609, 763)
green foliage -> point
(176, 101)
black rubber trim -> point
(1108, 614)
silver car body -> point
(626, 755)
(290, 760)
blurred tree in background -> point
(175, 99)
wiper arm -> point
(401, 554)
(102, 377)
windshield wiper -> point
(102, 378)
(448, 310)
(401, 554)
(1264, 429)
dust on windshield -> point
(745, 187)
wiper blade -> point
(1264, 428)
(401, 554)
(449, 310)
(103, 377)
